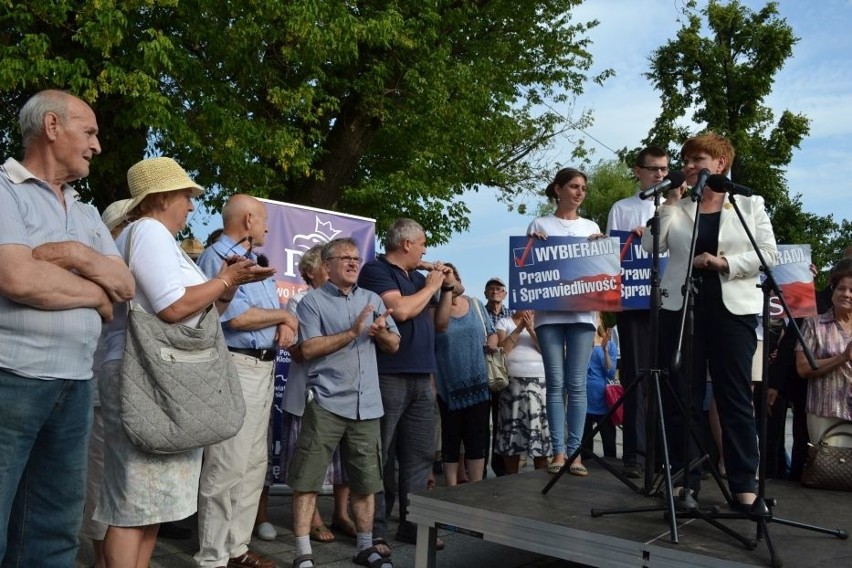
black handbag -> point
(829, 467)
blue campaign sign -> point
(564, 274)
(636, 266)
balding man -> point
(59, 274)
(254, 326)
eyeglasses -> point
(346, 259)
(661, 169)
(260, 258)
(495, 289)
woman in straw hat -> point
(140, 490)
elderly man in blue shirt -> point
(341, 325)
(255, 326)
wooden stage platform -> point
(513, 511)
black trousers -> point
(634, 343)
(724, 344)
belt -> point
(262, 354)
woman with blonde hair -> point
(140, 490)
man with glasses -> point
(342, 324)
(408, 426)
(254, 326)
(631, 214)
(495, 295)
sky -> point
(815, 81)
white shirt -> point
(554, 226)
(162, 274)
(524, 360)
(628, 213)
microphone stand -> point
(761, 510)
(654, 416)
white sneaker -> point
(266, 531)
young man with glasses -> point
(631, 214)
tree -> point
(370, 107)
(719, 83)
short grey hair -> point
(330, 246)
(31, 117)
(400, 231)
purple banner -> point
(636, 266)
(293, 229)
(564, 274)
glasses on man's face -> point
(261, 258)
(661, 169)
(492, 289)
(346, 259)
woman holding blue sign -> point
(566, 337)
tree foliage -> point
(719, 82)
(365, 106)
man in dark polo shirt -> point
(404, 377)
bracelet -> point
(449, 288)
(225, 282)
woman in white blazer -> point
(727, 301)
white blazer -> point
(740, 293)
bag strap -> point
(827, 434)
(481, 318)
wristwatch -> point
(449, 288)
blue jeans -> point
(408, 426)
(44, 436)
(566, 349)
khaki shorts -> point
(360, 445)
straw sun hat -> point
(115, 213)
(157, 175)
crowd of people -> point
(388, 358)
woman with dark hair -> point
(566, 338)
(727, 299)
(462, 383)
(829, 336)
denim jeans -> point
(566, 349)
(44, 435)
(409, 426)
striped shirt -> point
(47, 344)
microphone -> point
(674, 179)
(698, 189)
(721, 184)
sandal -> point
(382, 547)
(321, 533)
(344, 526)
(554, 468)
(297, 562)
(578, 469)
(371, 558)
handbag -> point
(179, 386)
(612, 392)
(495, 363)
(829, 467)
